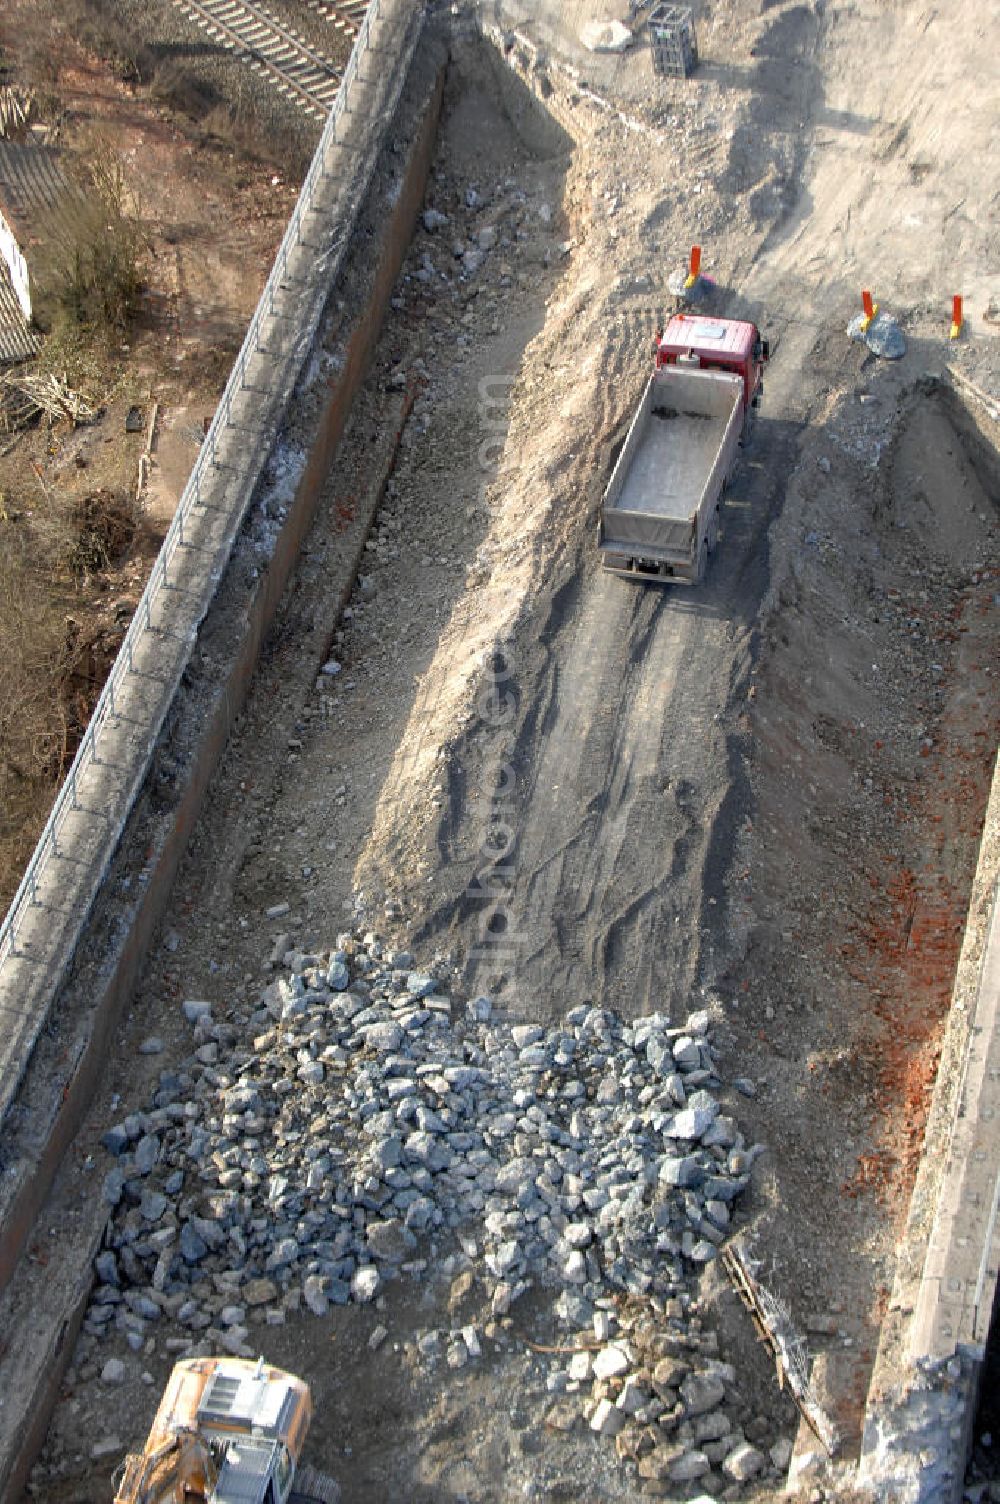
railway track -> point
(298, 70)
(345, 15)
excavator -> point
(227, 1431)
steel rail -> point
(345, 15)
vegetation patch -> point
(89, 268)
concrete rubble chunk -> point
(712, 1426)
(314, 1295)
(701, 1392)
(691, 1465)
(116, 1140)
(193, 1248)
(389, 1242)
(681, 1170)
(611, 1362)
(603, 1325)
(384, 1036)
(781, 1454)
(691, 1122)
(607, 1419)
(147, 1152)
(471, 1339)
(655, 1465)
(106, 1268)
(575, 1268)
(338, 977)
(365, 1283)
(259, 1292)
(108, 1446)
(669, 1373)
(744, 1463)
(633, 1397)
(882, 335)
(152, 1205)
(687, 1053)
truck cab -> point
(731, 345)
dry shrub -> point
(266, 135)
(103, 30)
(102, 527)
(88, 360)
(89, 269)
(54, 666)
(180, 90)
(33, 722)
(74, 539)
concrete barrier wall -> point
(60, 1083)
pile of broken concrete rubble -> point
(361, 1121)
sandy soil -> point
(764, 794)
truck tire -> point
(703, 560)
(313, 1487)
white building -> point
(33, 193)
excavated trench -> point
(767, 795)
(874, 723)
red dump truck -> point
(660, 512)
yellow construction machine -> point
(228, 1431)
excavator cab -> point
(227, 1431)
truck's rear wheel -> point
(703, 560)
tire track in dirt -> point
(577, 896)
(619, 735)
(632, 771)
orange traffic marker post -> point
(956, 316)
(871, 309)
(694, 266)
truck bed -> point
(660, 502)
(669, 469)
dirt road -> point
(619, 767)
